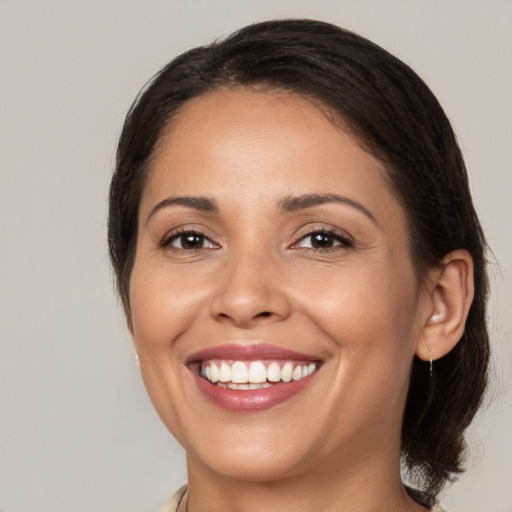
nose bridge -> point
(249, 290)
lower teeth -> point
(232, 385)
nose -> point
(250, 292)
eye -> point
(188, 241)
(324, 239)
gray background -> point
(77, 432)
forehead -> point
(239, 142)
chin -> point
(253, 465)
(249, 456)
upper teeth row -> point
(255, 372)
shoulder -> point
(173, 504)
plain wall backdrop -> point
(77, 432)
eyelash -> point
(183, 233)
(333, 235)
(341, 240)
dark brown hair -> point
(394, 115)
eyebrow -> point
(203, 204)
(287, 205)
(294, 203)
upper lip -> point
(249, 352)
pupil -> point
(322, 240)
(192, 241)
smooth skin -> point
(334, 280)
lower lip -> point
(251, 400)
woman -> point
(302, 271)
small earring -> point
(430, 355)
(136, 358)
(436, 317)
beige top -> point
(173, 504)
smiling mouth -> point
(252, 375)
(249, 378)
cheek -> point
(163, 304)
(369, 309)
(372, 322)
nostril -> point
(265, 313)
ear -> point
(450, 291)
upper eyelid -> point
(342, 241)
(311, 230)
(303, 232)
(182, 230)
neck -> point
(373, 485)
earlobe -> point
(450, 295)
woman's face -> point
(270, 248)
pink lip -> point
(253, 400)
(249, 353)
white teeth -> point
(257, 373)
(232, 385)
(214, 371)
(239, 373)
(273, 372)
(224, 372)
(286, 372)
(246, 375)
